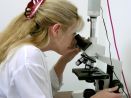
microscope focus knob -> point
(88, 93)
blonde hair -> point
(35, 30)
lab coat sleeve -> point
(30, 82)
(55, 81)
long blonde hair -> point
(35, 31)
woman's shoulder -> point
(26, 48)
(23, 52)
(28, 51)
(29, 47)
(26, 55)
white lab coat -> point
(24, 74)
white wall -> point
(121, 19)
(9, 9)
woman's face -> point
(66, 40)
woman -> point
(45, 25)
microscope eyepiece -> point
(82, 43)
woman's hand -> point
(71, 52)
(108, 93)
(64, 59)
(69, 55)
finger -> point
(113, 89)
(75, 50)
(72, 52)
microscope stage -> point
(87, 74)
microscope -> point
(92, 52)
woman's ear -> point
(55, 29)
